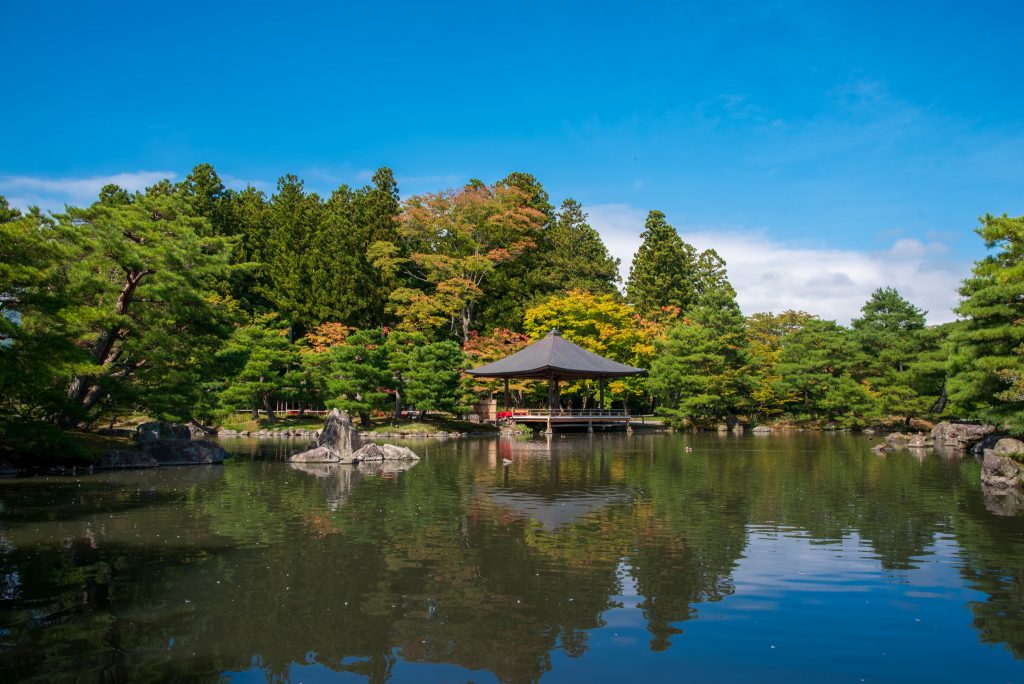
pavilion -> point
(554, 359)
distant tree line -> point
(191, 300)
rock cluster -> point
(960, 436)
(164, 444)
(910, 441)
(1000, 467)
(340, 442)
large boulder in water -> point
(1001, 471)
(338, 441)
(125, 459)
(185, 451)
(384, 452)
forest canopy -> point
(193, 301)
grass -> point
(430, 425)
(29, 445)
(282, 423)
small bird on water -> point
(506, 461)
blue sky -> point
(825, 148)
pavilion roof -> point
(555, 357)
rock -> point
(897, 438)
(393, 452)
(761, 430)
(337, 443)
(1007, 446)
(1001, 472)
(315, 455)
(960, 436)
(227, 432)
(868, 431)
(369, 452)
(125, 459)
(880, 448)
(918, 442)
(185, 451)
(154, 430)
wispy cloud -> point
(54, 193)
(770, 275)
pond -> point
(651, 557)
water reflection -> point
(338, 480)
(582, 557)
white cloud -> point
(770, 275)
(54, 193)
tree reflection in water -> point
(186, 573)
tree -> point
(814, 368)
(986, 364)
(427, 376)
(765, 335)
(291, 218)
(454, 240)
(206, 196)
(890, 336)
(378, 211)
(357, 374)
(151, 319)
(259, 356)
(602, 324)
(701, 370)
(574, 256)
(663, 268)
(39, 316)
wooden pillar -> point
(600, 383)
(506, 394)
(551, 404)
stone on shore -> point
(960, 436)
(1001, 472)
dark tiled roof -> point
(555, 356)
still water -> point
(651, 558)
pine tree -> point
(574, 256)
(259, 357)
(890, 334)
(701, 372)
(663, 272)
(150, 317)
(292, 217)
(356, 374)
(986, 363)
(815, 375)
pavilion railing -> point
(593, 413)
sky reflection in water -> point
(771, 558)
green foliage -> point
(428, 376)
(356, 374)
(891, 336)
(815, 374)
(986, 364)
(258, 358)
(701, 371)
(765, 332)
(39, 316)
(150, 317)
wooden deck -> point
(569, 417)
